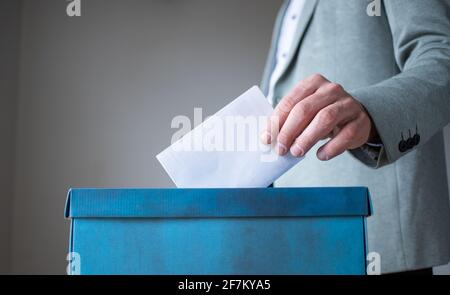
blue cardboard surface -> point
(219, 231)
(248, 202)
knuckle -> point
(348, 102)
(274, 122)
(327, 118)
(303, 86)
(283, 137)
(350, 132)
(302, 110)
(340, 106)
(335, 87)
(316, 77)
(298, 141)
(286, 104)
(364, 115)
(308, 142)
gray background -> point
(88, 101)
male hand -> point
(316, 109)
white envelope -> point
(225, 150)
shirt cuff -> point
(369, 154)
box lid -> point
(245, 202)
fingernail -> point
(322, 155)
(281, 149)
(266, 137)
(297, 151)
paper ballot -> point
(225, 151)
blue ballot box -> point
(218, 231)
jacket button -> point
(416, 139)
(410, 143)
(402, 146)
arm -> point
(416, 99)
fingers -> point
(321, 126)
(315, 109)
(302, 114)
(349, 137)
(302, 90)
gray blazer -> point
(398, 66)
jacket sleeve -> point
(409, 108)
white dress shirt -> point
(286, 37)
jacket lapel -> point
(270, 63)
(303, 22)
